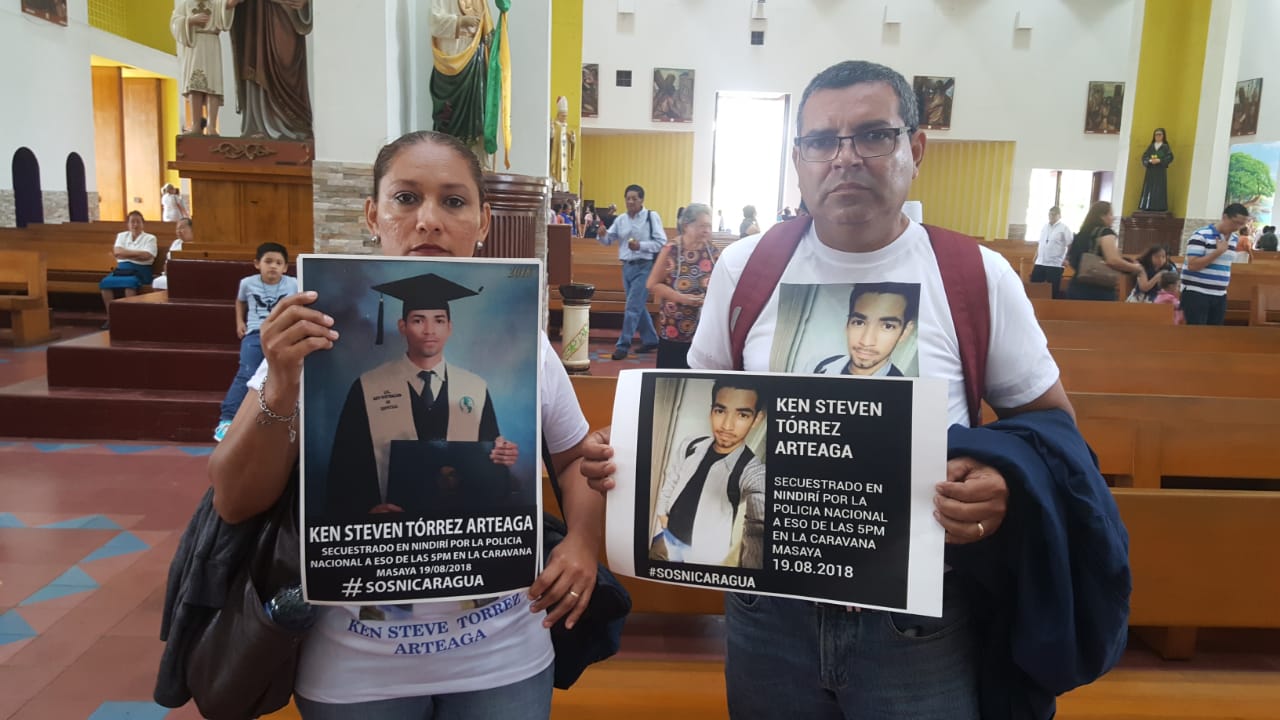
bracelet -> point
(267, 416)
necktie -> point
(428, 396)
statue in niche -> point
(460, 31)
(1155, 187)
(268, 43)
(563, 146)
(197, 26)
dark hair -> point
(1269, 229)
(748, 211)
(187, 222)
(269, 247)
(1083, 240)
(634, 188)
(909, 292)
(1145, 258)
(1055, 209)
(737, 383)
(1162, 132)
(1170, 278)
(856, 72)
(391, 150)
(1235, 210)
(132, 213)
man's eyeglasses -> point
(868, 144)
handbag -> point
(242, 664)
(598, 633)
(1094, 270)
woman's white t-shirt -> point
(442, 647)
(1019, 366)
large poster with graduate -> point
(801, 486)
(420, 430)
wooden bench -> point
(77, 255)
(1236, 375)
(25, 297)
(1101, 311)
(1136, 338)
(1265, 308)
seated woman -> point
(1155, 265)
(183, 231)
(428, 199)
(1097, 237)
(679, 281)
(134, 252)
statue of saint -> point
(268, 40)
(1155, 186)
(459, 45)
(563, 146)
(196, 26)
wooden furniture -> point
(25, 298)
(1142, 230)
(77, 255)
(516, 202)
(1136, 337)
(1265, 308)
(1101, 311)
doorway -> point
(749, 156)
(1072, 191)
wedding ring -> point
(574, 594)
(982, 532)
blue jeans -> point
(1201, 309)
(529, 698)
(793, 658)
(676, 549)
(634, 276)
(250, 359)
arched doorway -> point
(77, 195)
(28, 201)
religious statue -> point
(1155, 188)
(268, 40)
(459, 42)
(196, 26)
(563, 146)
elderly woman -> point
(679, 281)
(183, 231)
(134, 252)
(428, 200)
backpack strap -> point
(964, 278)
(760, 276)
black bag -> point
(242, 665)
(124, 272)
(598, 633)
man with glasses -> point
(1206, 271)
(856, 153)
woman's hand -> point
(564, 587)
(691, 300)
(292, 332)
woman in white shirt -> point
(428, 200)
(134, 252)
(183, 230)
(172, 209)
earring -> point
(479, 245)
(375, 240)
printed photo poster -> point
(590, 90)
(420, 446)
(801, 486)
(672, 95)
(1104, 106)
(934, 95)
(867, 329)
(1244, 113)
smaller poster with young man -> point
(801, 486)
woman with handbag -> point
(1096, 258)
(428, 200)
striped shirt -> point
(1213, 278)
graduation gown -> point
(1155, 187)
(357, 478)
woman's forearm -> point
(250, 467)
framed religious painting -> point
(672, 95)
(55, 11)
(934, 96)
(1103, 108)
(1244, 116)
(590, 90)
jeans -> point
(529, 698)
(1051, 275)
(797, 659)
(675, 548)
(634, 276)
(250, 359)
(1202, 309)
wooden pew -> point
(26, 298)
(1236, 375)
(1086, 335)
(1102, 311)
(1265, 307)
(78, 255)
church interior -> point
(107, 406)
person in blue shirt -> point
(640, 237)
(258, 295)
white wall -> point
(48, 88)
(1258, 59)
(1024, 86)
(349, 89)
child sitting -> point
(258, 295)
(1168, 295)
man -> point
(880, 316)
(857, 150)
(640, 237)
(1055, 238)
(417, 396)
(1206, 269)
(699, 517)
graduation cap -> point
(421, 292)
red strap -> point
(964, 278)
(760, 276)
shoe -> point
(619, 354)
(220, 432)
(106, 325)
(647, 348)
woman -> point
(1097, 237)
(172, 209)
(428, 200)
(679, 281)
(1155, 188)
(1155, 263)
(134, 252)
(183, 231)
(749, 226)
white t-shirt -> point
(347, 660)
(1019, 366)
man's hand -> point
(633, 243)
(504, 452)
(597, 463)
(971, 504)
(385, 508)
